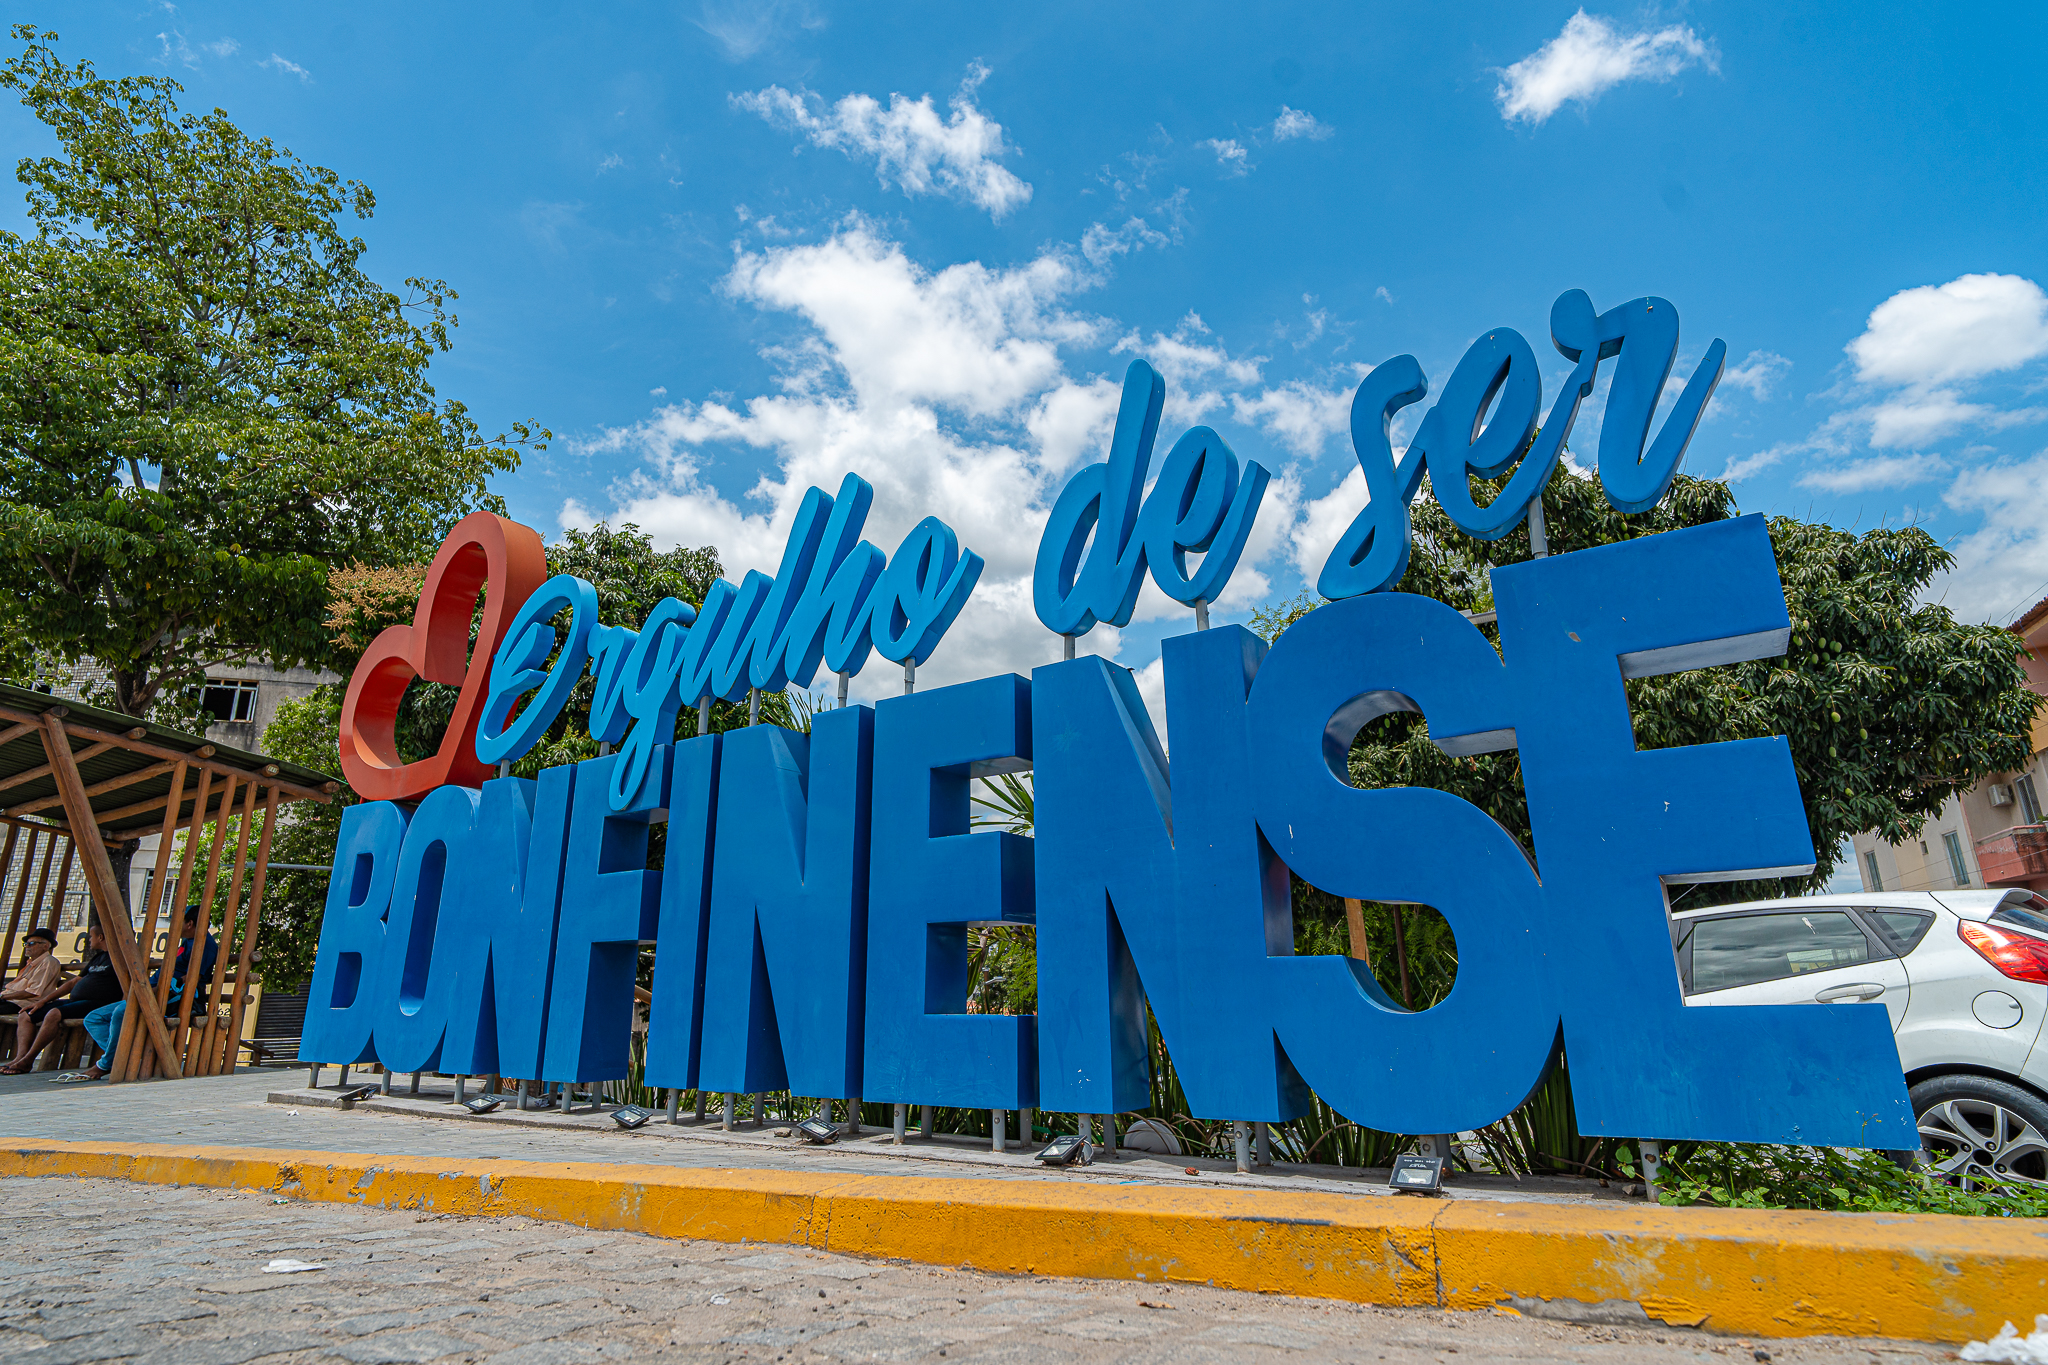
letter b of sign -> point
(484, 555)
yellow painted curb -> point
(1928, 1277)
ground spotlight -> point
(1417, 1175)
(631, 1115)
(1065, 1150)
(483, 1104)
(817, 1130)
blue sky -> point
(727, 252)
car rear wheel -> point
(1982, 1133)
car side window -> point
(1905, 928)
(1741, 950)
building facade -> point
(1993, 834)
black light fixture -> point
(1065, 1150)
(817, 1130)
(483, 1104)
(1417, 1175)
(631, 1115)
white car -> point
(1964, 974)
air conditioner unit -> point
(2001, 795)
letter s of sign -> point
(482, 549)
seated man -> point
(104, 1023)
(41, 975)
(96, 985)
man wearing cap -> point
(41, 976)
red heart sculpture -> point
(482, 549)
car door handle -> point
(1855, 990)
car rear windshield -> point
(2025, 909)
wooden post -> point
(35, 909)
(140, 1000)
(131, 964)
(20, 886)
(255, 923)
(1354, 918)
(182, 1036)
(229, 915)
(63, 884)
(193, 825)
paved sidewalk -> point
(99, 1270)
(232, 1111)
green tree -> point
(204, 401)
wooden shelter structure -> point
(81, 785)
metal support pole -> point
(1201, 615)
(732, 1104)
(1262, 1150)
(504, 767)
(414, 1088)
(701, 1099)
(924, 1120)
(753, 706)
(758, 1120)
(1440, 1145)
(1241, 1140)
(1109, 1135)
(1024, 1138)
(998, 1126)
(909, 676)
(704, 715)
(1653, 1161)
(844, 678)
(460, 1086)
(313, 1081)
(1067, 648)
(524, 1088)
(344, 1075)
(675, 1104)
(384, 1080)
(1539, 539)
(853, 1116)
(900, 1121)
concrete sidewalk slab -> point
(1731, 1271)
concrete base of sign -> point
(1730, 1271)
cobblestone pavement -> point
(98, 1270)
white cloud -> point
(1301, 416)
(950, 391)
(1299, 123)
(610, 163)
(1323, 521)
(222, 47)
(293, 68)
(744, 27)
(2002, 565)
(1382, 294)
(911, 146)
(1194, 369)
(1102, 244)
(1758, 371)
(1937, 334)
(1883, 471)
(1231, 155)
(1742, 466)
(1591, 56)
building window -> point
(229, 699)
(1959, 869)
(2030, 804)
(1872, 881)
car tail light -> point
(2019, 956)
